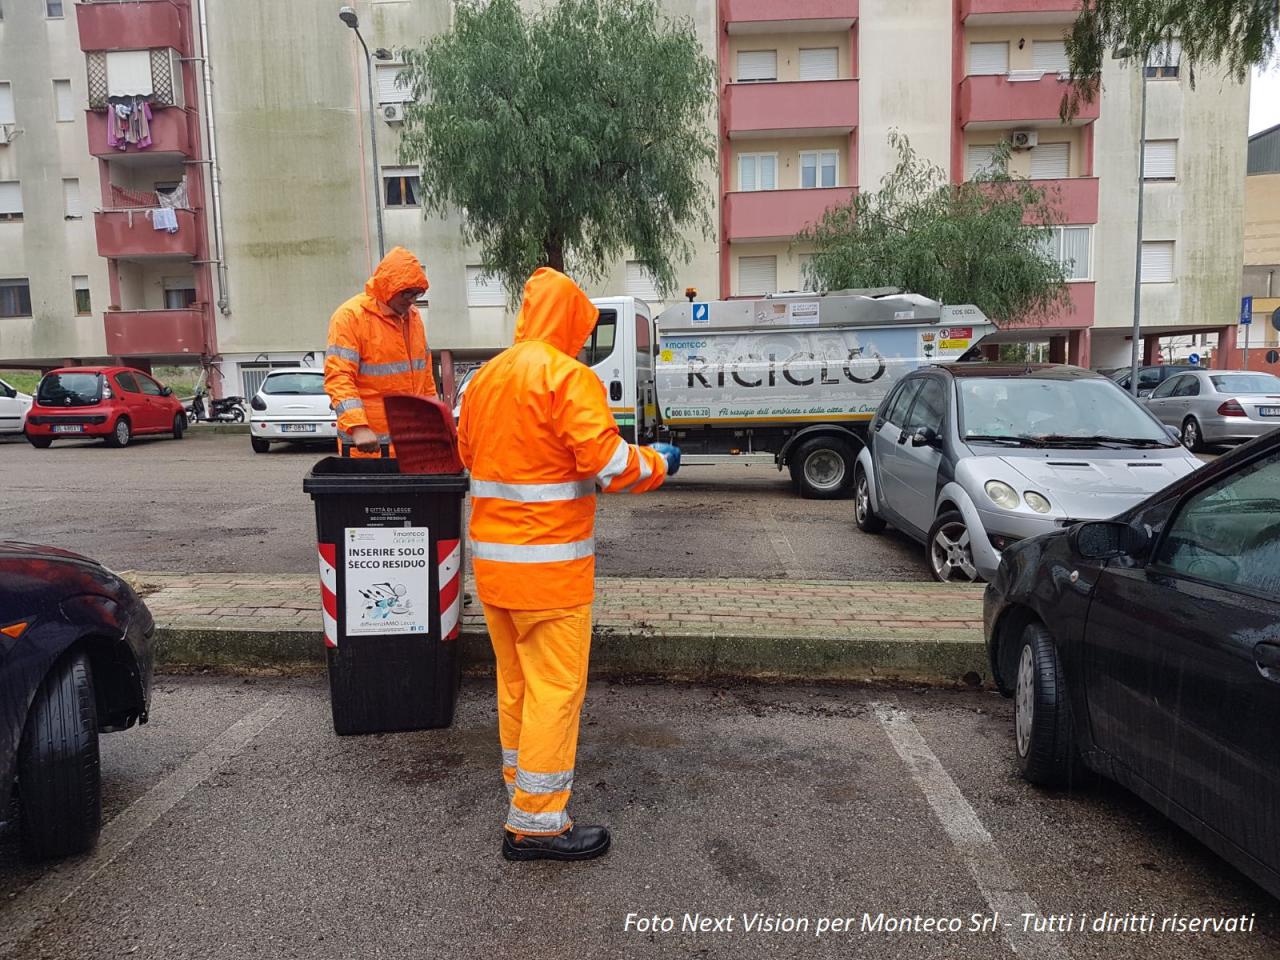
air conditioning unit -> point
(393, 112)
(1024, 139)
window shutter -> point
(72, 208)
(988, 58)
(63, 103)
(388, 90)
(10, 196)
(757, 276)
(1049, 56)
(639, 284)
(978, 158)
(1157, 261)
(1160, 161)
(757, 65)
(1075, 252)
(828, 162)
(808, 170)
(482, 292)
(1049, 161)
(129, 73)
(822, 63)
(6, 103)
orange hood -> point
(399, 270)
(555, 311)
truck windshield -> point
(70, 390)
(1042, 409)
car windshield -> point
(1040, 409)
(1246, 383)
(70, 389)
(294, 384)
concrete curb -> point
(203, 427)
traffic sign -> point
(1194, 359)
(1275, 318)
(1246, 310)
(1273, 356)
(701, 313)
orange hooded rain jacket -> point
(373, 353)
(538, 438)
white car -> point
(14, 406)
(291, 405)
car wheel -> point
(59, 785)
(259, 445)
(121, 433)
(822, 469)
(237, 414)
(1192, 437)
(179, 426)
(864, 513)
(40, 443)
(1042, 713)
(949, 551)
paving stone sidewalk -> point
(676, 627)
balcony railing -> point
(977, 12)
(131, 25)
(791, 108)
(1010, 101)
(810, 16)
(132, 235)
(170, 138)
(778, 214)
(1077, 315)
(155, 332)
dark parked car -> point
(1147, 649)
(1151, 376)
(75, 660)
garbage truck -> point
(791, 380)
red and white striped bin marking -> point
(450, 552)
(329, 592)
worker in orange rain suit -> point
(377, 346)
(538, 438)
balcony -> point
(979, 13)
(998, 102)
(1078, 316)
(778, 214)
(791, 109)
(170, 139)
(130, 235)
(1076, 197)
(807, 16)
(130, 25)
(155, 332)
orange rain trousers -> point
(542, 680)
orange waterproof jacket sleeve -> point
(581, 419)
(342, 369)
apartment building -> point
(231, 234)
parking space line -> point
(41, 901)
(970, 838)
(782, 548)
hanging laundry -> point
(165, 218)
(129, 123)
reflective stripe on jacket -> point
(538, 438)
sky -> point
(1264, 98)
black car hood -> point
(16, 549)
(35, 579)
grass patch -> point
(181, 379)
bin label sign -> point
(388, 580)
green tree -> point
(578, 132)
(984, 241)
(1235, 33)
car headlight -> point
(1001, 494)
(1037, 502)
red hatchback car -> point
(115, 403)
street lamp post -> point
(348, 16)
(1134, 355)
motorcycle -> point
(219, 410)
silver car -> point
(969, 458)
(1218, 406)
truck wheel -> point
(864, 514)
(822, 469)
(59, 787)
(1042, 712)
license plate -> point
(68, 428)
(1269, 411)
(298, 428)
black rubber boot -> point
(577, 843)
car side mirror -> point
(1108, 539)
(166, 391)
(924, 437)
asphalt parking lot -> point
(239, 826)
(207, 503)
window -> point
(643, 340)
(822, 63)
(757, 171)
(986, 59)
(148, 386)
(897, 410)
(639, 284)
(71, 208)
(1070, 246)
(1049, 56)
(1157, 261)
(1165, 390)
(929, 409)
(389, 90)
(294, 384)
(53, 9)
(979, 158)
(1050, 161)
(1229, 533)
(402, 186)
(15, 298)
(600, 347)
(757, 276)
(1188, 386)
(818, 168)
(1160, 160)
(126, 383)
(484, 291)
(757, 65)
(64, 106)
(10, 200)
(1162, 62)
(179, 292)
(80, 292)
(6, 103)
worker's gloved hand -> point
(365, 439)
(672, 454)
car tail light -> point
(106, 390)
(258, 403)
(1232, 408)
